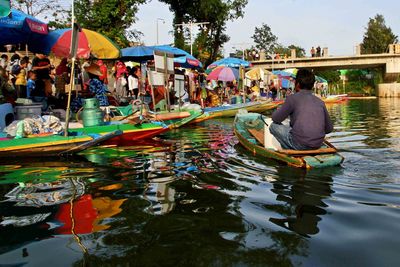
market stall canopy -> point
(20, 28)
(225, 74)
(90, 43)
(230, 62)
(143, 53)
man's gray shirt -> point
(309, 118)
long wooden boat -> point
(249, 129)
(231, 110)
(50, 145)
(174, 119)
(130, 132)
(332, 99)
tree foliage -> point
(112, 18)
(265, 39)
(210, 39)
(283, 50)
(50, 10)
(377, 36)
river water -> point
(195, 197)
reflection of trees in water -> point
(373, 119)
(208, 231)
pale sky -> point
(336, 24)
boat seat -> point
(259, 136)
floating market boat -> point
(130, 131)
(174, 119)
(50, 144)
(230, 110)
(331, 99)
(250, 129)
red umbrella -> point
(89, 43)
(225, 74)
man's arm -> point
(283, 112)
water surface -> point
(196, 197)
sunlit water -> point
(195, 197)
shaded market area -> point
(150, 155)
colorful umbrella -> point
(283, 74)
(19, 27)
(225, 74)
(89, 43)
(139, 53)
(256, 74)
(320, 79)
(230, 62)
(5, 8)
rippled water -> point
(196, 198)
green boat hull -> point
(246, 139)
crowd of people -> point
(116, 83)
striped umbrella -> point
(225, 74)
(89, 43)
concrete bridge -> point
(388, 62)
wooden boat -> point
(130, 131)
(231, 110)
(331, 99)
(250, 129)
(174, 119)
(50, 145)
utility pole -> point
(158, 19)
(189, 26)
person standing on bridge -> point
(309, 118)
(312, 51)
(318, 51)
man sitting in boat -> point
(309, 119)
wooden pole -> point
(72, 84)
(152, 89)
(166, 82)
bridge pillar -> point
(392, 70)
(389, 90)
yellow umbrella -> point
(256, 74)
(89, 43)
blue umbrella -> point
(19, 27)
(230, 62)
(138, 53)
(143, 53)
(188, 62)
(282, 73)
(320, 79)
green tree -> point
(280, 49)
(211, 38)
(112, 18)
(377, 36)
(265, 39)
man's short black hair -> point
(305, 78)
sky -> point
(338, 25)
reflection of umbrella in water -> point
(225, 74)
(89, 43)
